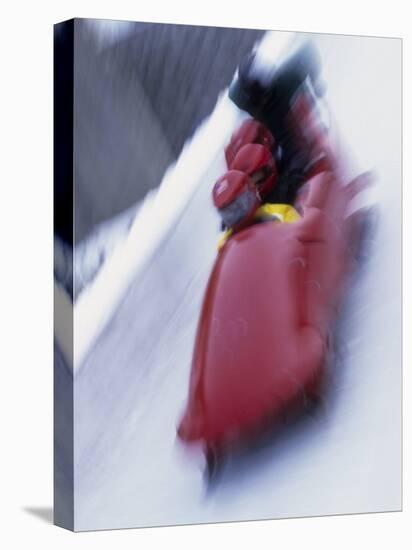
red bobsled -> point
(270, 303)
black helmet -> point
(248, 91)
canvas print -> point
(227, 274)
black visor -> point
(262, 175)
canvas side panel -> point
(63, 275)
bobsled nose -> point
(191, 427)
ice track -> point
(131, 386)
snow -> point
(133, 356)
(158, 213)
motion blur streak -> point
(129, 469)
